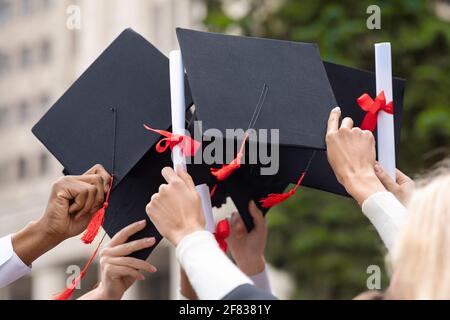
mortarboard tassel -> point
(67, 293)
(222, 233)
(97, 220)
(372, 107)
(188, 145)
(276, 198)
(227, 169)
(95, 224)
(213, 191)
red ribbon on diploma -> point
(188, 145)
(372, 107)
(221, 234)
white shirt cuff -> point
(11, 266)
(261, 280)
(210, 272)
(386, 214)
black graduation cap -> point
(348, 85)
(100, 118)
(229, 76)
(242, 82)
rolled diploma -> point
(385, 121)
(178, 109)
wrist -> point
(251, 265)
(361, 185)
(33, 241)
(177, 237)
(48, 232)
(104, 293)
(99, 293)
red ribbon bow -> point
(372, 107)
(221, 234)
(188, 145)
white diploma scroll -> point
(203, 191)
(178, 104)
(385, 121)
(178, 109)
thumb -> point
(257, 215)
(385, 179)
(401, 177)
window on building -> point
(5, 63)
(46, 51)
(156, 286)
(5, 11)
(44, 164)
(74, 40)
(22, 168)
(44, 101)
(26, 7)
(24, 111)
(155, 20)
(20, 289)
(46, 4)
(3, 172)
(4, 117)
(25, 57)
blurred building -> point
(42, 51)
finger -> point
(347, 123)
(385, 179)
(98, 169)
(97, 181)
(168, 174)
(123, 235)
(134, 263)
(126, 249)
(89, 206)
(114, 272)
(185, 177)
(401, 178)
(333, 120)
(237, 224)
(257, 215)
(78, 194)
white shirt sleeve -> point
(210, 272)
(386, 214)
(11, 267)
(261, 280)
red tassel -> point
(67, 293)
(227, 169)
(97, 220)
(276, 198)
(213, 191)
(222, 233)
(94, 225)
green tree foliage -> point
(321, 239)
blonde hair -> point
(421, 258)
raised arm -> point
(72, 202)
(351, 154)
